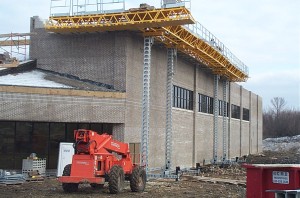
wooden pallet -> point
(39, 179)
(11, 183)
(219, 180)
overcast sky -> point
(264, 34)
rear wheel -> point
(116, 179)
(138, 179)
(69, 187)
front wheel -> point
(138, 179)
(69, 187)
(116, 179)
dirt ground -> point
(188, 186)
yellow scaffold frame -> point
(130, 20)
(197, 48)
(165, 24)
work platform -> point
(169, 26)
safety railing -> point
(200, 31)
(85, 7)
(176, 3)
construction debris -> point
(10, 178)
(34, 176)
(6, 61)
(215, 180)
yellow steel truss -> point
(131, 20)
(163, 24)
(197, 48)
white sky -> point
(264, 34)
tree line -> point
(279, 121)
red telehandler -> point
(99, 159)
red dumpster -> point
(263, 177)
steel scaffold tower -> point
(216, 116)
(148, 41)
(170, 72)
(225, 120)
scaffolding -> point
(168, 26)
(85, 7)
(176, 3)
(14, 47)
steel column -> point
(148, 41)
(225, 120)
(170, 73)
(216, 116)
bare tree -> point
(278, 104)
(280, 121)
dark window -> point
(235, 111)
(246, 114)
(57, 135)
(221, 108)
(182, 98)
(70, 131)
(107, 128)
(97, 127)
(23, 142)
(40, 139)
(7, 143)
(84, 126)
(206, 104)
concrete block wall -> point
(204, 137)
(259, 123)
(254, 123)
(55, 108)
(98, 57)
(244, 96)
(235, 129)
(119, 132)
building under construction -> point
(152, 77)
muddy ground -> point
(188, 186)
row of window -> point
(19, 139)
(183, 98)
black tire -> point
(138, 179)
(69, 187)
(116, 179)
(97, 186)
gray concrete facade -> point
(116, 58)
